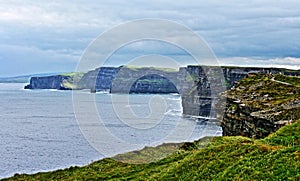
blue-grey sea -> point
(39, 130)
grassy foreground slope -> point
(276, 157)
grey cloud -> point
(31, 59)
(232, 28)
(287, 62)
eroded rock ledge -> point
(260, 104)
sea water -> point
(39, 130)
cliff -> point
(99, 79)
(199, 86)
(200, 101)
(47, 82)
(148, 79)
(145, 80)
(114, 79)
(260, 104)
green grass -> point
(136, 68)
(158, 81)
(73, 80)
(253, 90)
(294, 80)
(286, 136)
(258, 105)
(276, 157)
(73, 74)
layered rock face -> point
(202, 98)
(145, 80)
(117, 80)
(199, 100)
(199, 86)
(99, 79)
(260, 104)
(234, 74)
(150, 84)
(102, 78)
(49, 82)
(256, 106)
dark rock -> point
(199, 86)
(200, 100)
(145, 80)
(48, 82)
(249, 112)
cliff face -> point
(104, 78)
(49, 82)
(256, 106)
(145, 80)
(152, 83)
(199, 86)
(260, 104)
(199, 101)
(99, 79)
(116, 80)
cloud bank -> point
(43, 36)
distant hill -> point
(23, 78)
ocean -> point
(40, 131)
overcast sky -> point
(50, 36)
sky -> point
(39, 36)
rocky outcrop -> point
(200, 98)
(145, 80)
(234, 74)
(116, 80)
(199, 86)
(259, 105)
(254, 107)
(102, 78)
(201, 101)
(132, 80)
(99, 79)
(48, 82)
(150, 84)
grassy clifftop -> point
(72, 82)
(136, 68)
(277, 157)
(260, 104)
